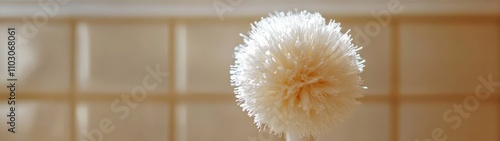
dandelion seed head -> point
(296, 73)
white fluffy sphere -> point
(297, 74)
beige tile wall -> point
(38, 120)
(147, 121)
(215, 121)
(369, 122)
(208, 51)
(45, 57)
(417, 68)
(420, 120)
(444, 58)
(119, 53)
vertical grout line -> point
(180, 37)
(171, 80)
(395, 80)
(72, 79)
(498, 58)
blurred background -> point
(158, 70)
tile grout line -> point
(203, 98)
(394, 81)
(171, 80)
(72, 100)
(498, 58)
(413, 18)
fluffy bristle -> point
(297, 74)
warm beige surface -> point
(43, 57)
(214, 121)
(420, 120)
(148, 121)
(376, 52)
(445, 58)
(369, 122)
(208, 52)
(41, 120)
(120, 53)
(417, 68)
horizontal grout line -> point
(449, 19)
(249, 8)
(225, 97)
(248, 19)
(444, 98)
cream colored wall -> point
(426, 60)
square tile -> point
(447, 58)
(420, 120)
(119, 121)
(369, 122)
(216, 122)
(37, 120)
(43, 57)
(114, 57)
(205, 52)
(376, 52)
